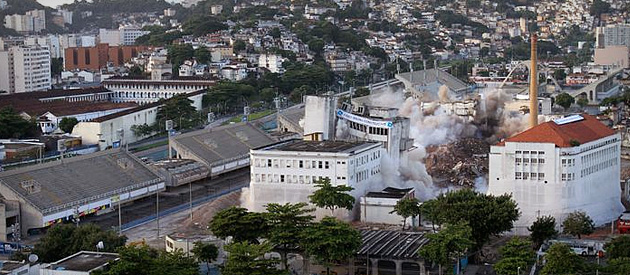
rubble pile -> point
(459, 162)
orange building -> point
(95, 58)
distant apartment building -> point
(271, 62)
(613, 35)
(25, 69)
(124, 36)
(32, 21)
(98, 57)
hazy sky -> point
(54, 3)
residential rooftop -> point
(84, 261)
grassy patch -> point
(252, 116)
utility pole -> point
(119, 218)
(157, 212)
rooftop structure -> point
(223, 148)
(378, 207)
(321, 146)
(83, 262)
(430, 81)
(51, 192)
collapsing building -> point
(558, 167)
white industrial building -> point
(25, 69)
(286, 172)
(143, 91)
(559, 167)
(378, 207)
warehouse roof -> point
(428, 76)
(78, 180)
(389, 244)
(224, 142)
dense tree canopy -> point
(12, 125)
(578, 223)
(618, 247)
(450, 243)
(249, 259)
(144, 260)
(331, 240)
(287, 223)
(332, 197)
(560, 259)
(543, 228)
(516, 254)
(66, 239)
(238, 223)
(180, 110)
(67, 124)
(486, 215)
(407, 207)
(565, 100)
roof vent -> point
(568, 119)
(242, 136)
(124, 163)
(210, 143)
(31, 186)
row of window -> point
(568, 176)
(281, 163)
(530, 176)
(298, 179)
(533, 153)
(367, 129)
(526, 161)
(604, 143)
(567, 163)
(598, 167)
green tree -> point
(178, 53)
(618, 247)
(565, 100)
(238, 223)
(180, 110)
(202, 25)
(331, 240)
(582, 102)
(56, 67)
(487, 215)
(543, 228)
(66, 239)
(239, 45)
(205, 252)
(12, 125)
(249, 259)
(561, 260)
(619, 266)
(287, 223)
(202, 55)
(577, 224)
(136, 71)
(141, 130)
(143, 260)
(275, 33)
(67, 124)
(332, 197)
(407, 207)
(559, 74)
(516, 254)
(430, 212)
(448, 244)
(598, 7)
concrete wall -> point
(613, 55)
(30, 217)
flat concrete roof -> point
(84, 261)
(322, 146)
(223, 142)
(77, 179)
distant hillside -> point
(118, 6)
(22, 6)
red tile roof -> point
(583, 131)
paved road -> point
(174, 197)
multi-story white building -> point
(32, 21)
(143, 91)
(559, 167)
(25, 69)
(286, 172)
(271, 62)
(125, 35)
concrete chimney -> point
(533, 84)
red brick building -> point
(95, 58)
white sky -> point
(54, 3)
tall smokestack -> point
(533, 84)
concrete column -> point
(351, 266)
(398, 267)
(374, 268)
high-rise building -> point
(613, 35)
(125, 35)
(32, 21)
(25, 69)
